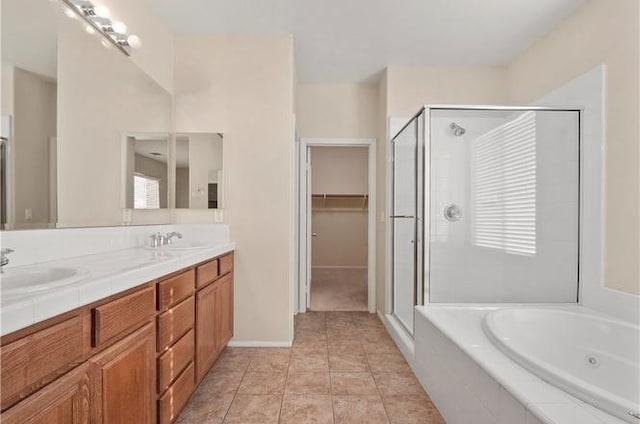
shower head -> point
(456, 129)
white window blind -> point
(146, 192)
(504, 184)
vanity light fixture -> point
(98, 18)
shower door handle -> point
(402, 216)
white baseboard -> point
(249, 343)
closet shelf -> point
(340, 202)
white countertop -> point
(109, 273)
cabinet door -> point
(65, 401)
(206, 331)
(224, 312)
(123, 380)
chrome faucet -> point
(4, 259)
(157, 240)
(168, 238)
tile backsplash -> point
(35, 246)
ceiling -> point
(149, 147)
(347, 41)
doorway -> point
(336, 231)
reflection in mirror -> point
(199, 171)
(29, 115)
(66, 100)
(182, 172)
(146, 171)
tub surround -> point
(588, 90)
(470, 380)
(115, 258)
(593, 358)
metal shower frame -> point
(422, 252)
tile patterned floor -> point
(343, 368)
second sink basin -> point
(31, 280)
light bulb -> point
(119, 27)
(134, 41)
(105, 44)
(90, 29)
(101, 11)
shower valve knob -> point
(452, 213)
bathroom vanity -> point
(134, 356)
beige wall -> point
(182, 187)
(34, 123)
(600, 32)
(6, 90)
(410, 87)
(336, 110)
(205, 155)
(123, 99)
(243, 86)
(340, 170)
(341, 239)
(156, 55)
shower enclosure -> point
(485, 207)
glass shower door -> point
(406, 222)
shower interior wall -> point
(465, 268)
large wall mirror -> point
(67, 100)
(199, 171)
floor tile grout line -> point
(333, 409)
(235, 392)
(286, 380)
(384, 405)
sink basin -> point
(32, 280)
(180, 246)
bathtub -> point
(471, 379)
(591, 357)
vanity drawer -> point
(207, 273)
(174, 289)
(37, 359)
(173, 400)
(175, 322)
(174, 360)
(226, 264)
(122, 315)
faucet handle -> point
(155, 239)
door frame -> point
(304, 235)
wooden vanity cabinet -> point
(33, 361)
(65, 401)
(133, 358)
(214, 314)
(123, 380)
(175, 344)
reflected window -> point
(146, 192)
(504, 187)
